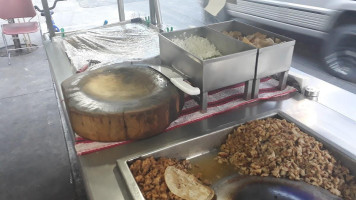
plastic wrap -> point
(103, 96)
(108, 45)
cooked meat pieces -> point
(235, 34)
(274, 147)
(260, 43)
(149, 175)
(257, 40)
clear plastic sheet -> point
(79, 97)
(109, 45)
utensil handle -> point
(184, 86)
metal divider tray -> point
(236, 65)
(210, 142)
(270, 60)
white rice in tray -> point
(198, 46)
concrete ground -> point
(34, 161)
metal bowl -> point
(268, 188)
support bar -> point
(15, 38)
(48, 18)
(158, 13)
(153, 12)
(121, 8)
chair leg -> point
(41, 34)
(7, 50)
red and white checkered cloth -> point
(219, 101)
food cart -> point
(103, 167)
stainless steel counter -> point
(103, 181)
(99, 169)
(333, 97)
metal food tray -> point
(270, 60)
(236, 65)
(212, 141)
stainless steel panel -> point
(229, 71)
(181, 60)
(312, 17)
(272, 59)
(184, 150)
(236, 64)
(211, 141)
(261, 10)
(264, 21)
(102, 177)
(181, 150)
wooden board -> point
(121, 102)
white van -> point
(334, 21)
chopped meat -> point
(257, 39)
(149, 175)
(274, 147)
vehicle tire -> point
(340, 53)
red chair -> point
(11, 9)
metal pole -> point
(152, 12)
(120, 4)
(158, 13)
(48, 18)
(15, 38)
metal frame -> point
(6, 45)
(7, 50)
(283, 76)
(121, 9)
(202, 98)
(271, 60)
(58, 75)
(210, 140)
(48, 18)
(155, 12)
(203, 73)
(106, 175)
